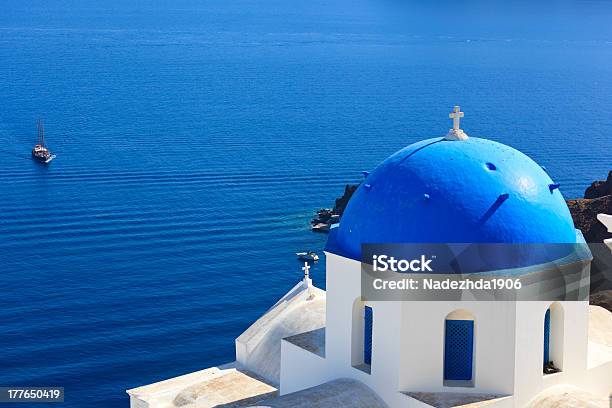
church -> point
(339, 348)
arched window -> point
(367, 335)
(361, 336)
(459, 329)
(547, 337)
(553, 338)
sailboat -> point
(40, 151)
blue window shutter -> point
(367, 339)
(458, 349)
(547, 337)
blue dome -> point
(443, 191)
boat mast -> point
(41, 133)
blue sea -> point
(195, 139)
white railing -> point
(606, 220)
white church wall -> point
(343, 288)
(494, 345)
(422, 345)
(135, 402)
(386, 349)
(413, 360)
(529, 379)
(301, 369)
(598, 380)
(422, 338)
(408, 343)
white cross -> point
(306, 268)
(456, 116)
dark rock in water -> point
(599, 188)
(327, 216)
(342, 202)
(323, 215)
(324, 219)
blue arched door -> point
(458, 350)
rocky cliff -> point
(343, 200)
(597, 199)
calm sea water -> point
(195, 139)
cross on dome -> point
(456, 133)
(306, 268)
(456, 116)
